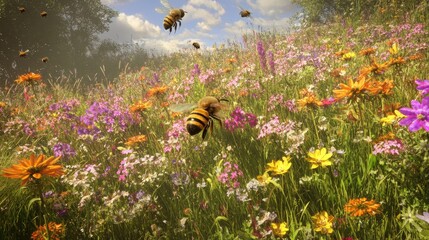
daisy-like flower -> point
(279, 167)
(416, 117)
(367, 51)
(156, 91)
(279, 229)
(264, 179)
(29, 78)
(319, 158)
(136, 139)
(361, 207)
(351, 91)
(34, 168)
(140, 106)
(423, 86)
(391, 118)
(322, 222)
(56, 232)
(377, 87)
(309, 101)
(348, 56)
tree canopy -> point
(64, 32)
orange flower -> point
(155, 91)
(361, 207)
(415, 57)
(140, 106)
(398, 60)
(29, 78)
(310, 101)
(377, 87)
(34, 168)
(367, 51)
(56, 232)
(351, 91)
(136, 139)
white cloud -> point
(113, 2)
(207, 12)
(272, 7)
(126, 28)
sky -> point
(207, 22)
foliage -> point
(316, 143)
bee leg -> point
(180, 23)
(218, 119)
(206, 128)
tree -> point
(66, 35)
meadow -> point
(325, 136)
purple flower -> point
(424, 217)
(416, 117)
(261, 53)
(64, 150)
(230, 175)
(240, 119)
(423, 85)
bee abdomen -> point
(168, 22)
(197, 121)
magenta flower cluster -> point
(389, 147)
(274, 126)
(230, 175)
(240, 119)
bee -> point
(196, 45)
(174, 15)
(245, 13)
(23, 53)
(45, 59)
(21, 9)
(201, 118)
(43, 14)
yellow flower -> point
(264, 179)
(319, 158)
(279, 167)
(360, 207)
(394, 49)
(56, 231)
(309, 101)
(34, 168)
(389, 119)
(279, 229)
(322, 222)
(349, 56)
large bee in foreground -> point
(201, 118)
(174, 15)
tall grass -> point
(176, 186)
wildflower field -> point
(325, 136)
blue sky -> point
(206, 21)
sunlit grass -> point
(298, 143)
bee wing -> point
(162, 10)
(182, 107)
(166, 4)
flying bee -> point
(196, 45)
(174, 15)
(245, 13)
(45, 59)
(201, 118)
(43, 14)
(23, 53)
